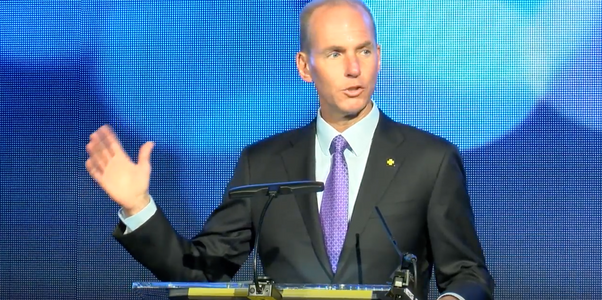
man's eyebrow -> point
(334, 48)
(366, 44)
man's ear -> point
(378, 53)
(302, 60)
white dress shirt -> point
(359, 137)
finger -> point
(145, 153)
(94, 170)
(110, 140)
(95, 152)
(103, 134)
(99, 153)
(106, 144)
(98, 163)
(90, 145)
(103, 145)
(99, 133)
(95, 144)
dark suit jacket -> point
(423, 197)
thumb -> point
(145, 153)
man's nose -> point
(352, 67)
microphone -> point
(280, 188)
(263, 288)
(402, 278)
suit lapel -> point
(299, 162)
(384, 160)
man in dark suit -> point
(365, 160)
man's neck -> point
(342, 123)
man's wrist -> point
(139, 206)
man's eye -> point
(334, 54)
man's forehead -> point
(342, 34)
(338, 10)
(339, 18)
(338, 22)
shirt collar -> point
(355, 135)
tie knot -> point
(338, 145)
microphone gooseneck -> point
(271, 196)
(401, 277)
(264, 287)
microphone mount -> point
(263, 287)
(403, 280)
(404, 283)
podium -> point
(239, 291)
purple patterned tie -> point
(335, 200)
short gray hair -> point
(309, 9)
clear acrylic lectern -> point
(239, 290)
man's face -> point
(342, 60)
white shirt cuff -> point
(453, 295)
(134, 222)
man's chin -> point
(353, 112)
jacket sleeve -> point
(458, 257)
(215, 254)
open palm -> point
(123, 180)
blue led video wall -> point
(515, 84)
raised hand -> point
(123, 180)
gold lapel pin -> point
(390, 162)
